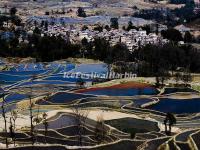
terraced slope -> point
(186, 140)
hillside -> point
(104, 7)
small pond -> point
(177, 106)
(124, 92)
(174, 90)
(64, 97)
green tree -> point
(146, 28)
(84, 28)
(16, 20)
(131, 26)
(81, 12)
(98, 28)
(169, 120)
(84, 43)
(13, 11)
(114, 23)
(101, 48)
(107, 27)
(119, 52)
(80, 83)
(46, 25)
(172, 34)
(37, 31)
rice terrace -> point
(112, 114)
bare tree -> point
(100, 130)
(178, 77)
(187, 77)
(11, 130)
(36, 121)
(13, 119)
(4, 117)
(31, 111)
(31, 118)
(162, 76)
(80, 120)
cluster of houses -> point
(76, 33)
(133, 38)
